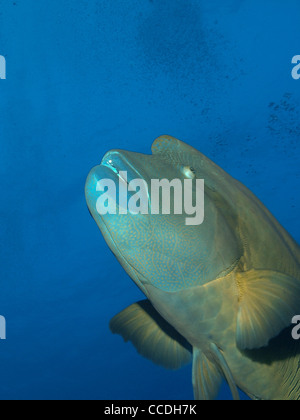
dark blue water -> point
(84, 77)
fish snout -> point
(123, 164)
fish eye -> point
(189, 172)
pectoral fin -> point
(152, 336)
(267, 303)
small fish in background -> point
(221, 294)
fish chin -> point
(108, 235)
(109, 223)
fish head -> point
(164, 250)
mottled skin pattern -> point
(230, 286)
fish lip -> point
(121, 164)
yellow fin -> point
(221, 362)
(206, 377)
(152, 336)
(268, 300)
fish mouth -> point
(119, 163)
(116, 166)
(119, 166)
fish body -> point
(221, 294)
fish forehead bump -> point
(175, 151)
(168, 143)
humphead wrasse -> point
(221, 294)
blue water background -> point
(84, 77)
